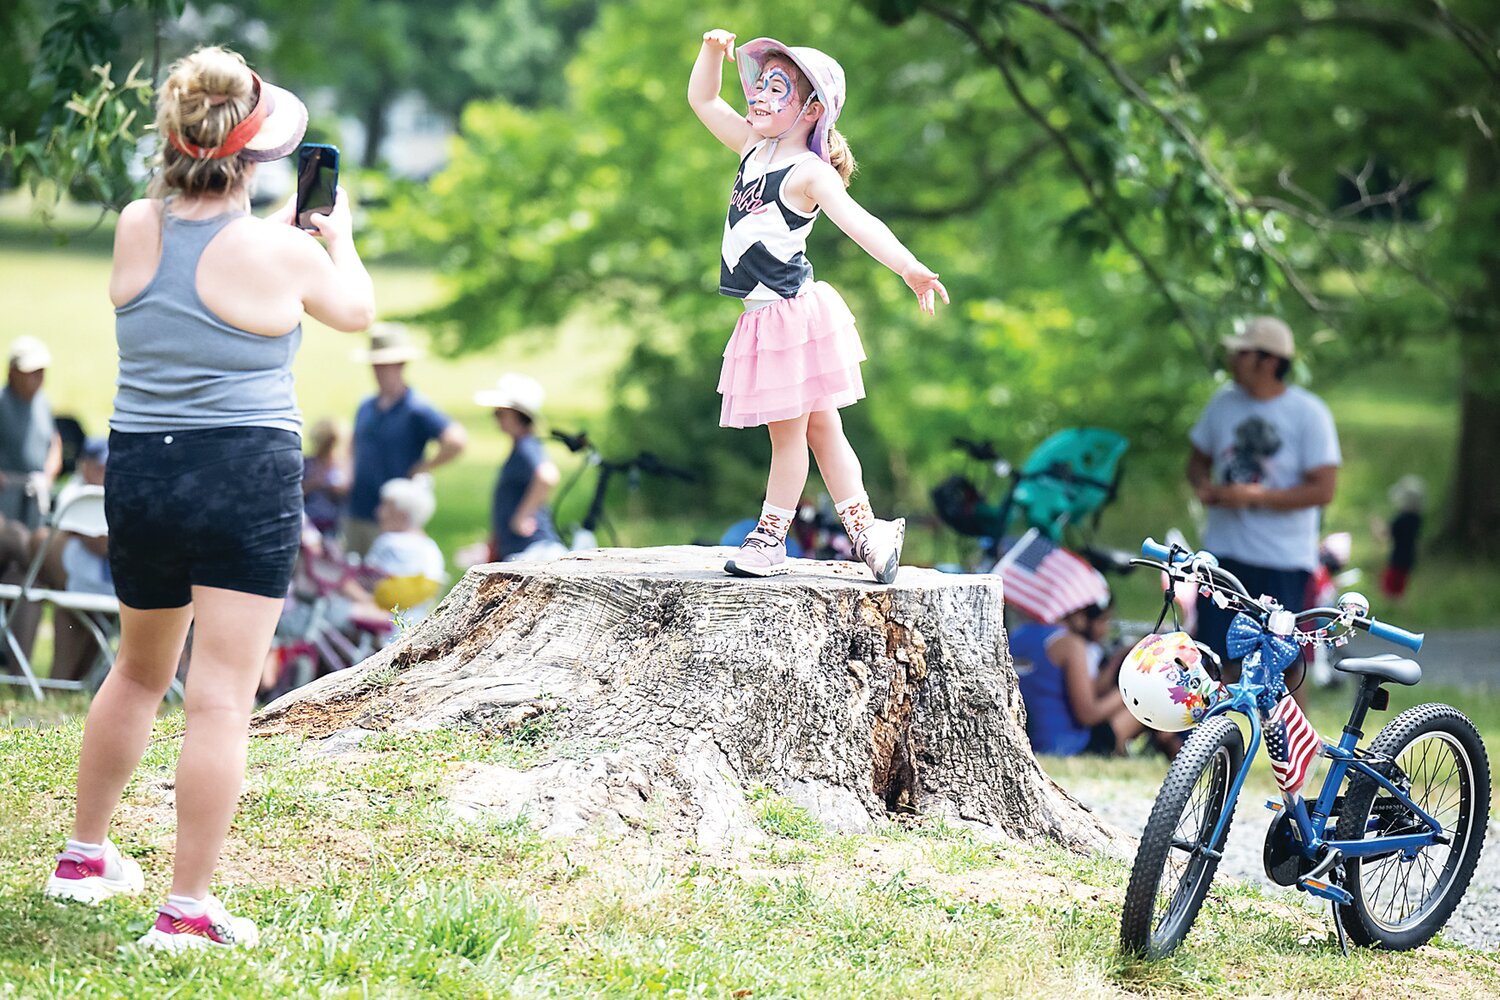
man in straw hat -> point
(392, 430)
(1264, 461)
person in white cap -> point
(203, 489)
(1264, 462)
(30, 447)
(392, 432)
(521, 525)
(30, 459)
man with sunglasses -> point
(1264, 462)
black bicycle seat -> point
(1386, 666)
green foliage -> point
(87, 155)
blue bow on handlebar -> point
(1277, 652)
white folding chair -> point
(81, 514)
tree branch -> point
(1195, 146)
(1087, 179)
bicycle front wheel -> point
(1176, 862)
(1400, 902)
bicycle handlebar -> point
(1390, 633)
(575, 442)
(982, 451)
(1174, 556)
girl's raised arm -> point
(727, 124)
(825, 188)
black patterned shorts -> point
(206, 508)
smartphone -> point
(317, 181)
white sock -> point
(775, 521)
(855, 513)
(188, 906)
(85, 850)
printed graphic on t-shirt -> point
(1256, 440)
(765, 240)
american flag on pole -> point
(1047, 581)
(1291, 743)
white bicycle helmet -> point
(1165, 684)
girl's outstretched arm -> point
(825, 188)
(727, 124)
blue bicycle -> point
(1406, 833)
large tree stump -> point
(672, 689)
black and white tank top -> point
(765, 240)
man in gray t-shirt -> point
(1264, 462)
(30, 448)
(30, 459)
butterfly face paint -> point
(776, 88)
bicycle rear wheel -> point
(1399, 904)
(1174, 866)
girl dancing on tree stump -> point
(793, 360)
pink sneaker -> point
(92, 880)
(759, 554)
(214, 928)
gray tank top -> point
(182, 367)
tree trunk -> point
(672, 689)
(1473, 517)
(376, 122)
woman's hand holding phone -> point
(338, 224)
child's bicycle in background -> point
(1406, 831)
(586, 534)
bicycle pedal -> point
(1324, 890)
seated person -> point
(403, 554)
(326, 477)
(78, 564)
(1073, 703)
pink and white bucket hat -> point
(827, 78)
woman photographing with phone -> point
(203, 489)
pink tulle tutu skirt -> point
(791, 357)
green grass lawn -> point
(365, 884)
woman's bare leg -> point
(120, 718)
(230, 639)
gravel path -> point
(1476, 923)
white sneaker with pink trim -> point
(92, 880)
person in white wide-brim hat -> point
(521, 526)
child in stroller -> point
(340, 611)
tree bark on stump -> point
(671, 690)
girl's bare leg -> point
(837, 462)
(789, 462)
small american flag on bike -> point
(1291, 743)
(1047, 581)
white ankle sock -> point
(85, 849)
(856, 513)
(188, 906)
(775, 521)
